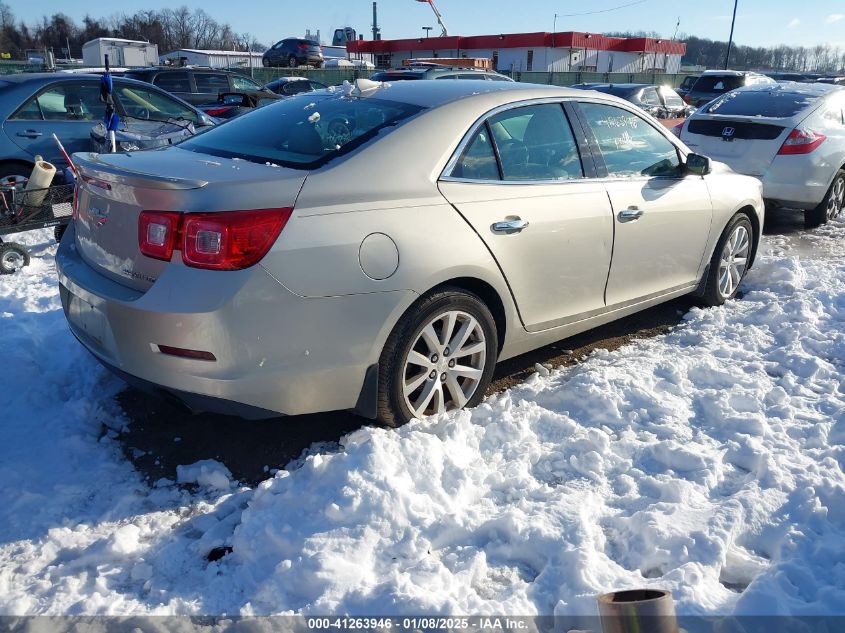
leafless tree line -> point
(168, 28)
(821, 58)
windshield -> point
(762, 103)
(717, 83)
(302, 133)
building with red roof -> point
(569, 51)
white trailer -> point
(129, 53)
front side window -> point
(628, 144)
(78, 101)
(302, 133)
(145, 104)
(536, 143)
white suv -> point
(791, 136)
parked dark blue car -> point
(34, 106)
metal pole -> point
(731, 38)
(637, 610)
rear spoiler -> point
(91, 165)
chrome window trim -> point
(446, 173)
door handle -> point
(630, 214)
(31, 134)
(512, 224)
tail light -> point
(231, 240)
(303, 46)
(676, 129)
(801, 141)
(687, 99)
(158, 233)
(218, 111)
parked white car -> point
(379, 247)
(790, 135)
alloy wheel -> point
(445, 364)
(12, 260)
(836, 199)
(734, 260)
(13, 180)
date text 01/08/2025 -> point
(417, 623)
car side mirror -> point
(698, 164)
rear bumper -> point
(276, 352)
(796, 182)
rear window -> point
(616, 90)
(302, 133)
(763, 103)
(717, 83)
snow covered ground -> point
(708, 461)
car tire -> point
(59, 231)
(726, 272)
(831, 205)
(292, 63)
(13, 257)
(14, 172)
(412, 360)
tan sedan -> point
(379, 248)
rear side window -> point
(650, 97)
(244, 83)
(766, 103)
(173, 82)
(628, 144)
(717, 83)
(536, 143)
(302, 133)
(478, 162)
(211, 82)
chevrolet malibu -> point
(379, 248)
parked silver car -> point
(789, 135)
(379, 248)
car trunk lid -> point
(115, 188)
(747, 144)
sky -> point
(759, 22)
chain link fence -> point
(335, 76)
